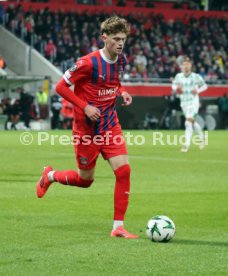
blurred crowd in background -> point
(153, 49)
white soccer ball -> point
(160, 229)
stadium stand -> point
(153, 49)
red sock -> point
(71, 178)
(122, 189)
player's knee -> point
(190, 120)
(86, 174)
(89, 183)
(86, 183)
(188, 124)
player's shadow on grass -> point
(20, 177)
(17, 180)
(25, 174)
(197, 242)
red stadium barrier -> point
(149, 90)
(71, 6)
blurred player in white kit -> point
(188, 85)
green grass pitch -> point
(68, 231)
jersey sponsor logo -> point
(73, 68)
(107, 92)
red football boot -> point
(44, 183)
(122, 233)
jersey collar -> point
(106, 59)
(187, 75)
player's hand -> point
(92, 112)
(127, 98)
(179, 89)
(194, 92)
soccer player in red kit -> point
(96, 86)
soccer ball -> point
(160, 229)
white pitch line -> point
(176, 159)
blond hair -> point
(186, 59)
(114, 25)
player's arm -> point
(63, 89)
(72, 76)
(127, 98)
(176, 87)
(201, 87)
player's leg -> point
(188, 113)
(82, 179)
(122, 171)
(198, 130)
(116, 154)
(86, 156)
(188, 134)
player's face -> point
(186, 67)
(114, 43)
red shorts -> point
(87, 148)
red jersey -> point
(96, 81)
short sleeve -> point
(200, 81)
(80, 71)
(176, 80)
